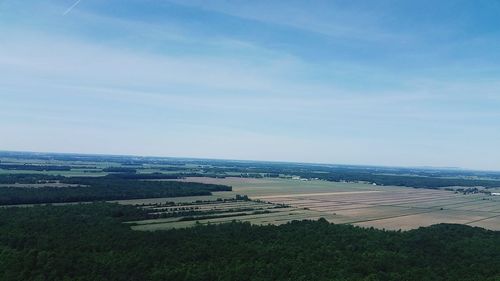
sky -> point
(393, 83)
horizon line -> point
(250, 160)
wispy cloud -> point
(326, 18)
(205, 79)
(71, 7)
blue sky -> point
(410, 83)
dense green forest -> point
(28, 167)
(89, 242)
(103, 188)
(28, 178)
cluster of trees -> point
(30, 167)
(90, 242)
(104, 188)
(144, 176)
(399, 180)
(28, 178)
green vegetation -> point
(28, 178)
(98, 241)
(144, 176)
(90, 242)
(400, 180)
(240, 208)
(28, 167)
(104, 188)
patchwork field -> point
(262, 192)
(360, 204)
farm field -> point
(276, 186)
(288, 191)
(182, 214)
(366, 205)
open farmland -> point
(179, 215)
(360, 204)
(340, 194)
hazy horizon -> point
(385, 83)
(250, 160)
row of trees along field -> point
(90, 242)
(29, 167)
(102, 188)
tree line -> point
(90, 242)
(103, 188)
